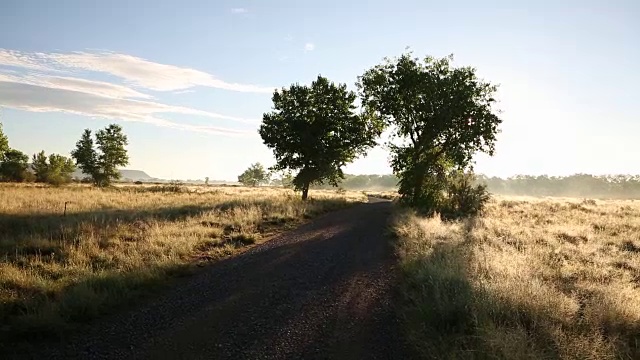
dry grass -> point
(389, 195)
(530, 279)
(115, 245)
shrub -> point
(172, 187)
(28, 176)
(14, 166)
(53, 169)
(464, 197)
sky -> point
(190, 80)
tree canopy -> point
(40, 166)
(14, 166)
(55, 169)
(440, 117)
(315, 131)
(255, 175)
(101, 161)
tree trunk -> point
(418, 177)
(305, 191)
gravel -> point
(322, 291)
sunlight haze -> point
(189, 81)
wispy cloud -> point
(309, 46)
(100, 88)
(239, 11)
(50, 82)
(38, 98)
(189, 91)
(135, 71)
(148, 74)
(33, 61)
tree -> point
(60, 169)
(14, 166)
(86, 156)
(56, 169)
(315, 131)
(281, 178)
(4, 143)
(254, 175)
(40, 166)
(101, 162)
(441, 116)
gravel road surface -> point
(322, 291)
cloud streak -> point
(309, 47)
(147, 74)
(32, 61)
(39, 98)
(239, 11)
(133, 70)
(59, 82)
(76, 84)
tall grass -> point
(531, 279)
(58, 268)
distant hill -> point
(133, 175)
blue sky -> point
(190, 80)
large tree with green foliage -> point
(255, 175)
(54, 169)
(101, 161)
(315, 131)
(440, 116)
(14, 166)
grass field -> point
(112, 246)
(386, 194)
(530, 279)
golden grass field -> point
(114, 245)
(530, 279)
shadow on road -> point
(323, 290)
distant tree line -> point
(15, 167)
(99, 161)
(257, 175)
(578, 185)
(365, 182)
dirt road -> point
(322, 291)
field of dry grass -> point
(530, 279)
(114, 245)
(388, 194)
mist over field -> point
(579, 185)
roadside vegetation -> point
(110, 246)
(529, 279)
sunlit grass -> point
(388, 194)
(112, 246)
(531, 279)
